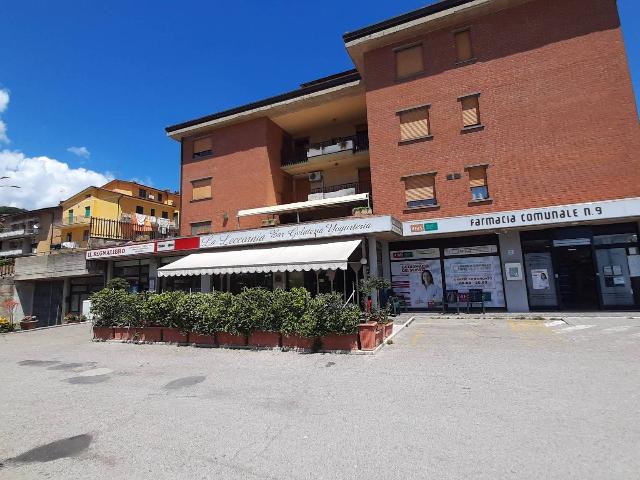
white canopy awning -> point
(309, 205)
(328, 255)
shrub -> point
(115, 308)
(332, 317)
(117, 284)
(223, 315)
(293, 307)
(5, 325)
(254, 307)
(190, 309)
(160, 308)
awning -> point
(309, 205)
(328, 255)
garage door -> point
(47, 303)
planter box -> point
(102, 333)
(231, 340)
(264, 339)
(173, 335)
(152, 334)
(296, 342)
(388, 330)
(200, 339)
(335, 341)
(29, 325)
(369, 335)
(120, 333)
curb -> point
(39, 329)
(390, 337)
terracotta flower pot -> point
(29, 324)
(173, 335)
(231, 340)
(196, 338)
(102, 333)
(334, 341)
(296, 342)
(388, 330)
(152, 334)
(264, 339)
(368, 333)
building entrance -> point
(577, 283)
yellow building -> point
(119, 210)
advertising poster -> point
(483, 273)
(419, 282)
(540, 279)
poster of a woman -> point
(426, 289)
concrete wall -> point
(53, 266)
(515, 291)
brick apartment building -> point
(477, 144)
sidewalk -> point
(518, 316)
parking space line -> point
(574, 328)
(622, 328)
(554, 323)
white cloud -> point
(4, 100)
(43, 181)
(80, 151)
(4, 103)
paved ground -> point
(452, 398)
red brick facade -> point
(556, 101)
(245, 172)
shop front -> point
(422, 271)
(583, 268)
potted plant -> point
(71, 318)
(255, 307)
(6, 325)
(337, 324)
(113, 308)
(10, 306)
(299, 327)
(159, 314)
(28, 323)
(203, 330)
(361, 212)
(189, 309)
(231, 329)
(368, 335)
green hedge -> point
(292, 312)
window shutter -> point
(470, 111)
(477, 177)
(463, 45)
(409, 61)
(420, 187)
(414, 124)
(201, 189)
(201, 145)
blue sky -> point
(110, 75)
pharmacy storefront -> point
(568, 257)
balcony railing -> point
(7, 270)
(354, 143)
(341, 190)
(67, 221)
(131, 231)
(17, 233)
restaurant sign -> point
(579, 212)
(125, 250)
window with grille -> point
(420, 190)
(470, 111)
(201, 189)
(409, 61)
(202, 147)
(414, 124)
(464, 50)
(478, 182)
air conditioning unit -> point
(315, 177)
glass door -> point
(576, 277)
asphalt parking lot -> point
(451, 398)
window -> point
(478, 182)
(142, 193)
(463, 45)
(201, 189)
(414, 123)
(470, 111)
(202, 147)
(420, 190)
(200, 228)
(139, 210)
(85, 235)
(160, 197)
(153, 212)
(409, 61)
(69, 237)
(87, 212)
(165, 214)
(70, 216)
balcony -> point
(133, 228)
(341, 190)
(18, 233)
(12, 253)
(70, 221)
(352, 150)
